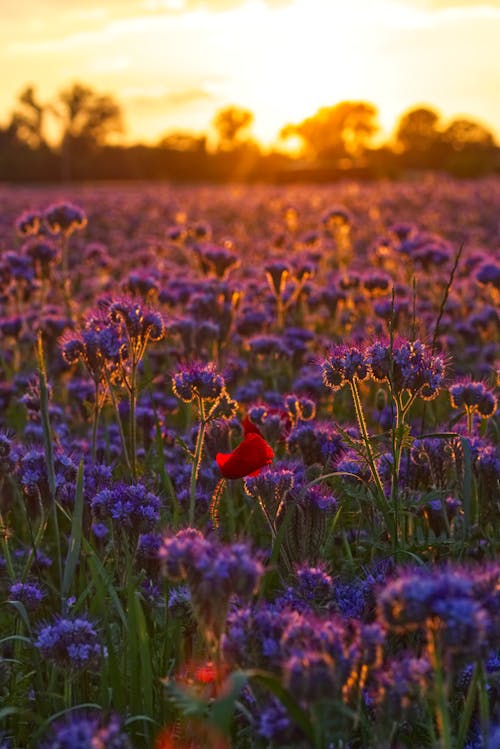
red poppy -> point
(249, 427)
(247, 459)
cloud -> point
(212, 6)
(171, 99)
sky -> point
(172, 64)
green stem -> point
(197, 459)
(397, 448)
(440, 691)
(382, 499)
(95, 423)
(5, 548)
(119, 421)
(133, 425)
(469, 420)
(48, 448)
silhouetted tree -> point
(180, 141)
(464, 134)
(28, 119)
(229, 123)
(88, 119)
(344, 129)
(417, 130)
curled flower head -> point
(28, 223)
(141, 323)
(277, 273)
(344, 364)
(270, 487)
(64, 218)
(409, 365)
(300, 407)
(474, 397)
(198, 380)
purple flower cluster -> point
(82, 731)
(474, 397)
(460, 605)
(198, 380)
(64, 218)
(213, 573)
(29, 594)
(129, 507)
(72, 644)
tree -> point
(344, 129)
(417, 130)
(183, 141)
(463, 134)
(87, 116)
(28, 119)
(88, 119)
(230, 123)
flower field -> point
(250, 466)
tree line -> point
(337, 140)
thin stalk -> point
(197, 459)
(48, 448)
(4, 538)
(274, 534)
(119, 421)
(358, 408)
(440, 691)
(133, 425)
(95, 421)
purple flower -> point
(131, 507)
(28, 223)
(72, 644)
(198, 380)
(64, 218)
(84, 731)
(213, 573)
(344, 364)
(29, 594)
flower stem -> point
(440, 691)
(133, 425)
(382, 499)
(197, 459)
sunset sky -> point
(173, 63)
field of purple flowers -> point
(250, 466)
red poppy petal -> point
(251, 454)
(222, 459)
(249, 427)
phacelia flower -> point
(64, 218)
(72, 644)
(77, 731)
(29, 594)
(198, 380)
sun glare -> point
(307, 56)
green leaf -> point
(75, 541)
(296, 712)
(222, 709)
